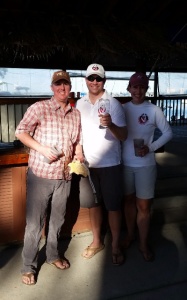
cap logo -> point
(95, 68)
(60, 73)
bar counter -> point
(13, 156)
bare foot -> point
(60, 264)
(28, 278)
(118, 257)
(147, 254)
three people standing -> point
(54, 123)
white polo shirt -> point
(101, 147)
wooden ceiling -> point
(70, 34)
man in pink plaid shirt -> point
(52, 130)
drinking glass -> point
(138, 144)
(103, 109)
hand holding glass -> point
(55, 152)
(138, 144)
(103, 109)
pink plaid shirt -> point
(51, 126)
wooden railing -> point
(13, 109)
(11, 112)
(174, 108)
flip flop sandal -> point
(64, 263)
(89, 252)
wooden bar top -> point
(13, 156)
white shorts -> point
(140, 180)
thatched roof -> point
(122, 35)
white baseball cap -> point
(95, 69)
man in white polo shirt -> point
(102, 152)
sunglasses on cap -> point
(97, 78)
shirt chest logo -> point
(143, 119)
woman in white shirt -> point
(139, 172)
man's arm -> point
(30, 142)
(119, 132)
(79, 155)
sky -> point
(36, 82)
